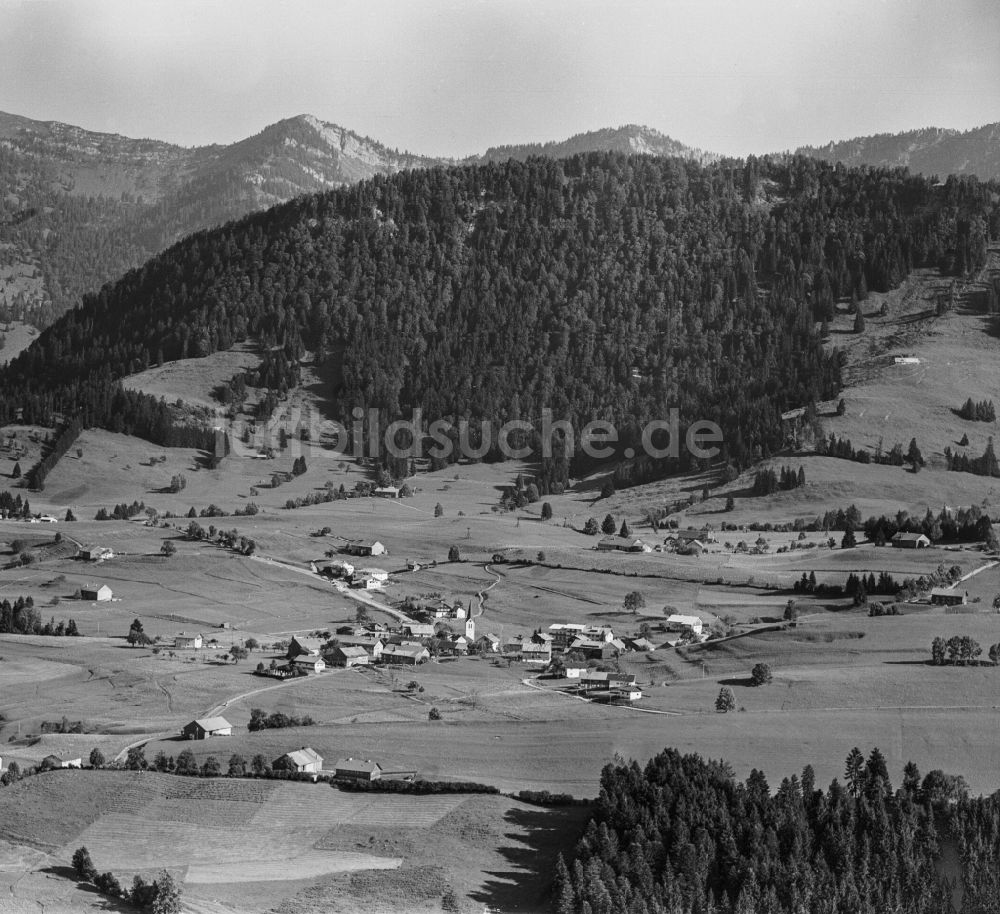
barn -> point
(945, 596)
(910, 541)
(207, 727)
(302, 760)
(100, 594)
(358, 769)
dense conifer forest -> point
(601, 286)
(681, 835)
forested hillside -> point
(681, 835)
(78, 208)
(930, 151)
(602, 286)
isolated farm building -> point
(640, 644)
(187, 640)
(379, 574)
(910, 541)
(358, 769)
(309, 663)
(364, 547)
(302, 760)
(679, 623)
(207, 727)
(406, 654)
(944, 596)
(303, 646)
(349, 655)
(386, 492)
(57, 761)
(95, 553)
(532, 652)
(418, 630)
(100, 594)
(622, 544)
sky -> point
(453, 77)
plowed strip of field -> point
(304, 866)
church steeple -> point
(470, 624)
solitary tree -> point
(546, 511)
(83, 865)
(96, 758)
(849, 541)
(135, 760)
(168, 548)
(726, 700)
(634, 601)
(591, 528)
(238, 653)
(438, 510)
(624, 529)
(608, 526)
(730, 503)
(760, 674)
(859, 322)
(454, 555)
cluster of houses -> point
(682, 542)
(362, 578)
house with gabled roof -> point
(207, 727)
(910, 541)
(364, 547)
(406, 654)
(622, 544)
(301, 760)
(358, 769)
(348, 655)
(300, 645)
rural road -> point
(218, 709)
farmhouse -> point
(302, 760)
(487, 644)
(678, 623)
(418, 630)
(531, 652)
(372, 646)
(187, 640)
(386, 492)
(302, 646)
(406, 654)
(364, 547)
(100, 594)
(348, 656)
(207, 727)
(594, 649)
(56, 761)
(622, 544)
(365, 582)
(594, 679)
(625, 692)
(640, 644)
(309, 663)
(337, 568)
(95, 553)
(944, 596)
(910, 541)
(703, 536)
(358, 769)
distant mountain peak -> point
(634, 139)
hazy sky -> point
(451, 77)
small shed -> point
(100, 594)
(910, 541)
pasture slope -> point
(254, 846)
(841, 678)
